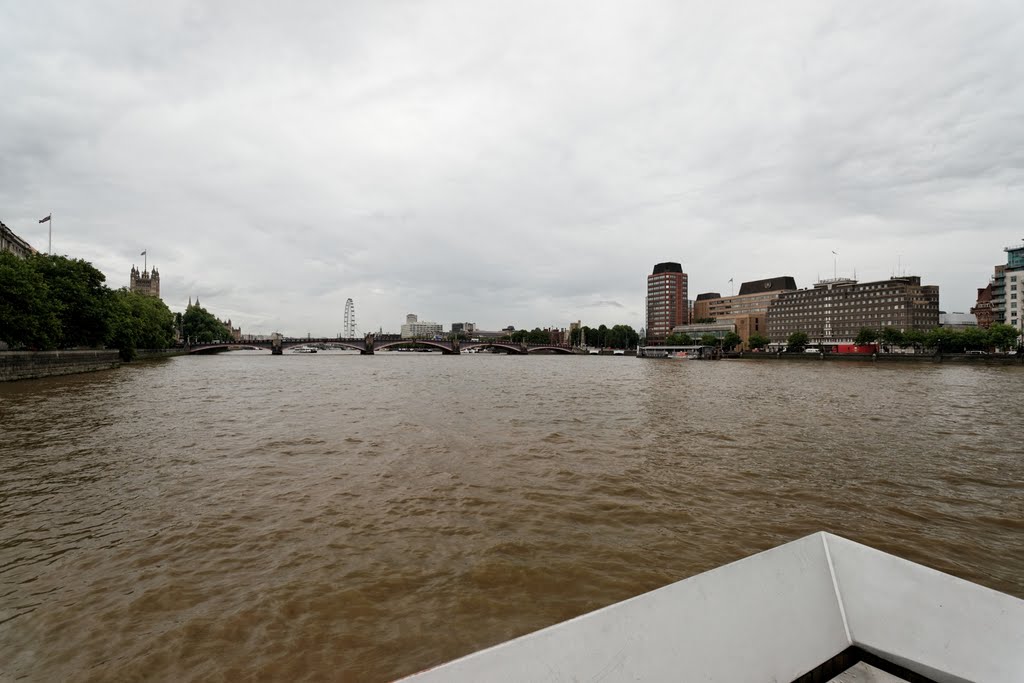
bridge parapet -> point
(370, 343)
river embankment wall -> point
(884, 358)
(20, 365)
(151, 354)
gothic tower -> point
(145, 282)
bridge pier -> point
(276, 349)
(368, 351)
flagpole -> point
(50, 226)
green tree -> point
(974, 339)
(944, 340)
(917, 339)
(731, 341)
(199, 325)
(27, 312)
(138, 321)
(709, 339)
(538, 336)
(797, 341)
(890, 337)
(758, 341)
(1003, 337)
(866, 335)
(79, 296)
(679, 340)
(625, 337)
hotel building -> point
(667, 304)
(835, 310)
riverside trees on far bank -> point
(615, 337)
(53, 302)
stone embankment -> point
(18, 365)
(987, 359)
(15, 365)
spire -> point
(189, 301)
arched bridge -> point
(370, 343)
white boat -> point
(680, 355)
(303, 349)
(821, 608)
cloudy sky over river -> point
(518, 163)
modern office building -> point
(1007, 289)
(414, 328)
(667, 304)
(835, 310)
(753, 299)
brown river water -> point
(338, 517)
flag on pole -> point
(144, 252)
(730, 280)
(44, 220)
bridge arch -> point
(445, 346)
(551, 348)
(511, 347)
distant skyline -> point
(516, 163)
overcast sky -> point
(510, 163)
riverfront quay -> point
(28, 365)
(364, 517)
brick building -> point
(982, 309)
(667, 304)
(835, 310)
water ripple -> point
(360, 518)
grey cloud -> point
(468, 162)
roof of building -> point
(950, 319)
(668, 267)
(772, 284)
(708, 295)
